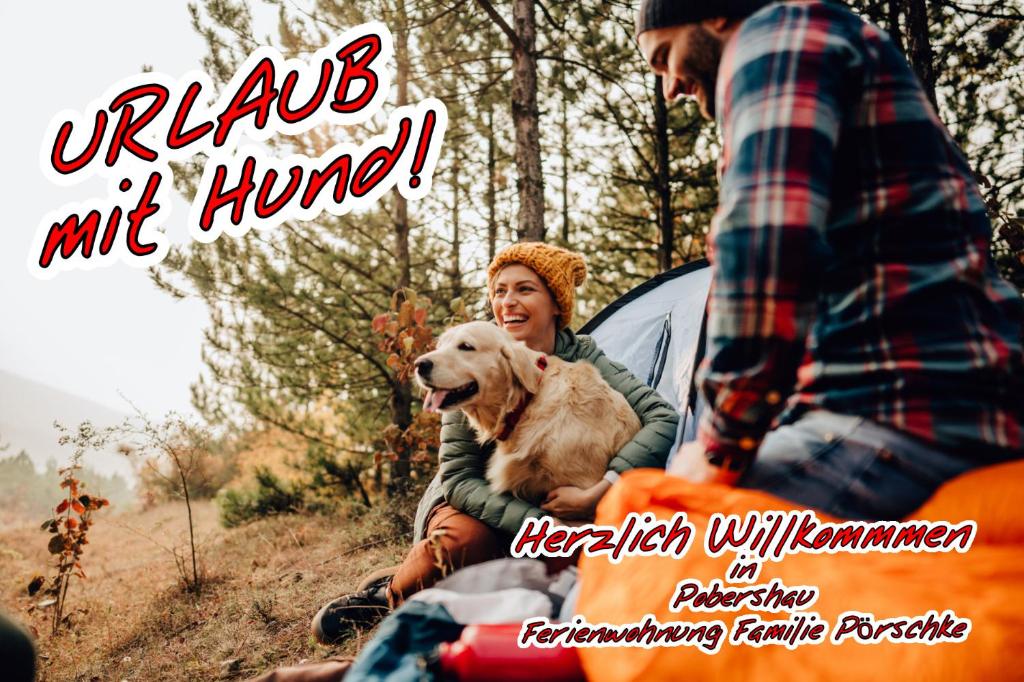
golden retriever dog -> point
(554, 423)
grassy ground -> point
(263, 584)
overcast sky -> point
(91, 333)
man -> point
(17, 653)
(856, 318)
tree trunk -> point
(492, 180)
(919, 47)
(663, 187)
(895, 32)
(565, 164)
(401, 206)
(526, 120)
(401, 397)
(401, 416)
(195, 587)
(456, 271)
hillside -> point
(264, 583)
(27, 412)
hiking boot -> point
(362, 609)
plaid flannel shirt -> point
(850, 250)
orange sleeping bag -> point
(986, 584)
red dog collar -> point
(513, 417)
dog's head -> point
(477, 365)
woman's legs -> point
(850, 467)
(453, 540)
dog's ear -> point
(523, 362)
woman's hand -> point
(570, 502)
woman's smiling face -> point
(523, 305)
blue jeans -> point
(850, 467)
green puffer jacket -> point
(462, 482)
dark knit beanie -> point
(664, 13)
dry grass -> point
(264, 582)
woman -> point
(531, 288)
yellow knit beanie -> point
(560, 269)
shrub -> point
(271, 496)
(176, 452)
(68, 527)
(207, 464)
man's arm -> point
(784, 76)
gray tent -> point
(656, 330)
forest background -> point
(557, 133)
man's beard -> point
(702, 63)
